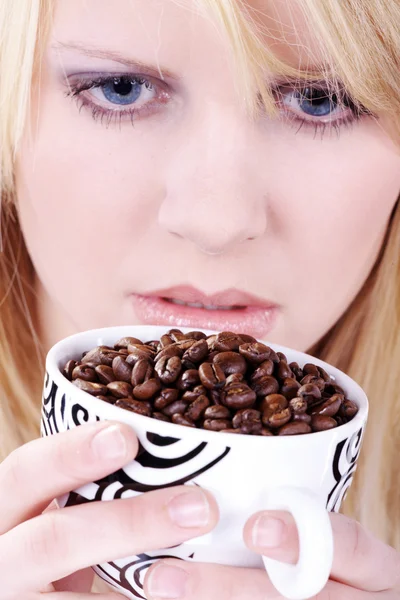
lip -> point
(248, 314)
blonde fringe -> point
(362, 39)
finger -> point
(74, 596)
(81, 581)
(59, 543)
(360, 561)
(181, 580)
(37, 472)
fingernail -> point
(167, 582)
(190, 510)
(109, 443)
(268, 532)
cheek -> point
(83, 187)
(332, 214)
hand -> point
(44, 556)
(364, 568)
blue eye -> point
(122, 90)
(316, 103)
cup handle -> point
(309, 576)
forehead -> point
(178, 30)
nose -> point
(215, 196)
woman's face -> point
(145, 187)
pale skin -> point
(229, 202)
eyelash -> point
(320, 125)
(77, 88)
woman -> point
(211, 163)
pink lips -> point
(184, 306)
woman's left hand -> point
(364, 568)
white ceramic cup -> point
(307, 475)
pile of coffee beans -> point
(225, 382)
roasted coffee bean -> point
(178, 407)
(223, 382)
(187, 364)
(153, 345)
(297, 371)
(100, 356)
(176, 334)
(305, 418)
(276, 419)
(348, 410)
(122, 370)
(290, 387)
(308, 379)
(246, 415)
(274, 403)
(191, 395)
(283, 371)
(134, 406)
(237, 431)
(217, 412)
(234, 378)
(84, 372)
(251, 428)
(295, 428)
(322, 423)
(238, 395)
(94, 389)
(126, 341)
(231, 363)
(333, 388)
(147, 390)
(329, 408)
(197, 408)
(263, 386)
(68, 369)
(265, 369)
(169, 352)
(137, 351)
(217, 424)
(266, 432)
(105, 374)
(120, 389)
(327, 378)
(168, 369)
(227, 341)
(196, 335)
(298, 406)
(188, 380)
(210, 341)
(179, 419)
(167, 396)
(108, 399)
(310, 369)
(166, 340)
(141, 372)
(215, 397)
(310, 392)
(255, 353)
(185, 344)
(197, 352)
(247, 339)
(211, 376)
(211, 356)
(160, 417)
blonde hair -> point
(361, 43)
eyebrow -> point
(115, 56)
